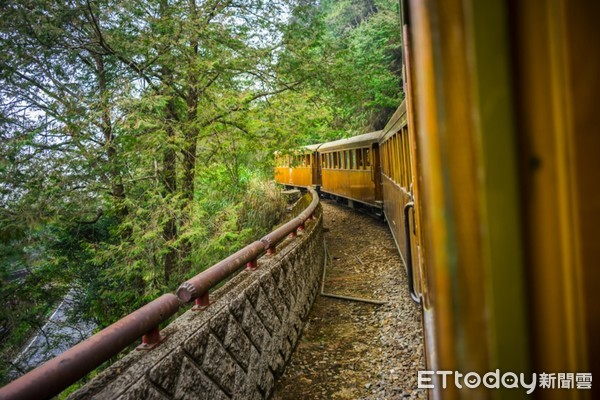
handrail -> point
(59, 373)
(198, 286)
(62, 371)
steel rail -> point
(59, 373)
(198, 286)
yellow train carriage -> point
(298, 169)
(501, 109)
(398, 196)
(350, 168)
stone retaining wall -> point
(239, 345)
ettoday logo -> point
(510, 380)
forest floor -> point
(354, 350)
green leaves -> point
(137, 137)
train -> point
(487, 177)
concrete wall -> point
(239, 345)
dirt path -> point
(353, 350)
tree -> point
(135, 134)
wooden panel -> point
(394, 200)
(299, 176)
(283, 175)
(557, 61)
(352, 184)
(471, 251)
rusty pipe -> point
(207, 279)
(211, 277)
(54, 376)
(278, 234)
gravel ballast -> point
(356, 350)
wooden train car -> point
(396, 179)
(298, 169)
(501, 108)
(350, 168)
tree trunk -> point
(190, 145)
(117, 187)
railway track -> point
(354, 349)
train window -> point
(408, 160)
(367, 158)
(405, 157)
(353, 151)
(399, 178)
(308, 159)
(391, 158)
(396, 155)
(401, 169)
(400, 158)
(397, 159)
(359, 159)
(384, 159)
(348, 165)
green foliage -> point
(353, 62)
(231, 217)
(137, 138)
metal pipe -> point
(338, 296)
(208, 279)
(357, 299)
(54, 376)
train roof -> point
(301, 150)
(353, 142)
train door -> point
(316, 168)
(376, 172)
